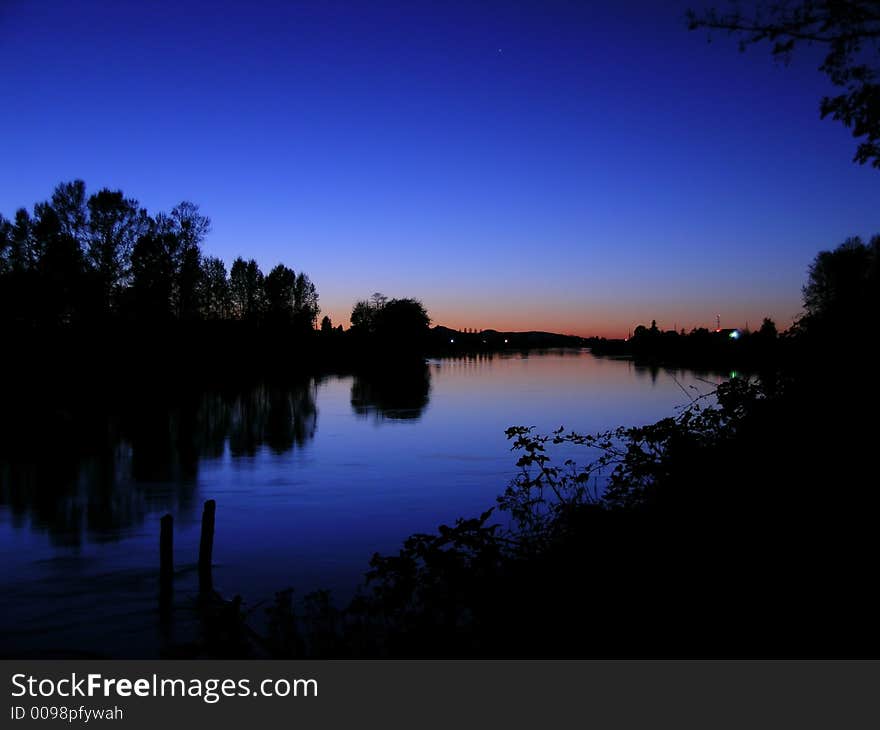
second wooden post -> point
(206, 547)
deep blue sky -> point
(515, 165)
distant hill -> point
(450, 339)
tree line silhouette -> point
(701, 347)
(78, 259)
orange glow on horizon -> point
(592, 319)
(612, 328)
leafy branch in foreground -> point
(629, 464)
(850, 33)
(434, 575)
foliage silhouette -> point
(83, 261)
(396, 324)
(841, 295)
(280, 285)
(402, 321)
(115, 224)
(848, 31)
(362, 318)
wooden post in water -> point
(166, 564)
(206, 547)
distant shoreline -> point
(223, 350)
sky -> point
(569, 166)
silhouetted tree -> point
(305, 298)
(280, 289)
(190, 227)
(238, 289)
(849, 30)
(216, 299)
(69, 204)
(841, 293)
(403, 321)
(115, 224)
(20, 253)
(25, 251)
(60, 266)
(5, 245)
(246, 284)
(362, 315)
(768, 329)
(152, 269)
(326, 325)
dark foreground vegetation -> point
(741, 528)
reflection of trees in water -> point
(397, 393)
(275, 416)
(99, 467)
(650, 369)
(69, 497)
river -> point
(311, 477)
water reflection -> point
(278, 417)
(86, 472)
(93, 471)
(395, 394)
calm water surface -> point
(310, 478)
